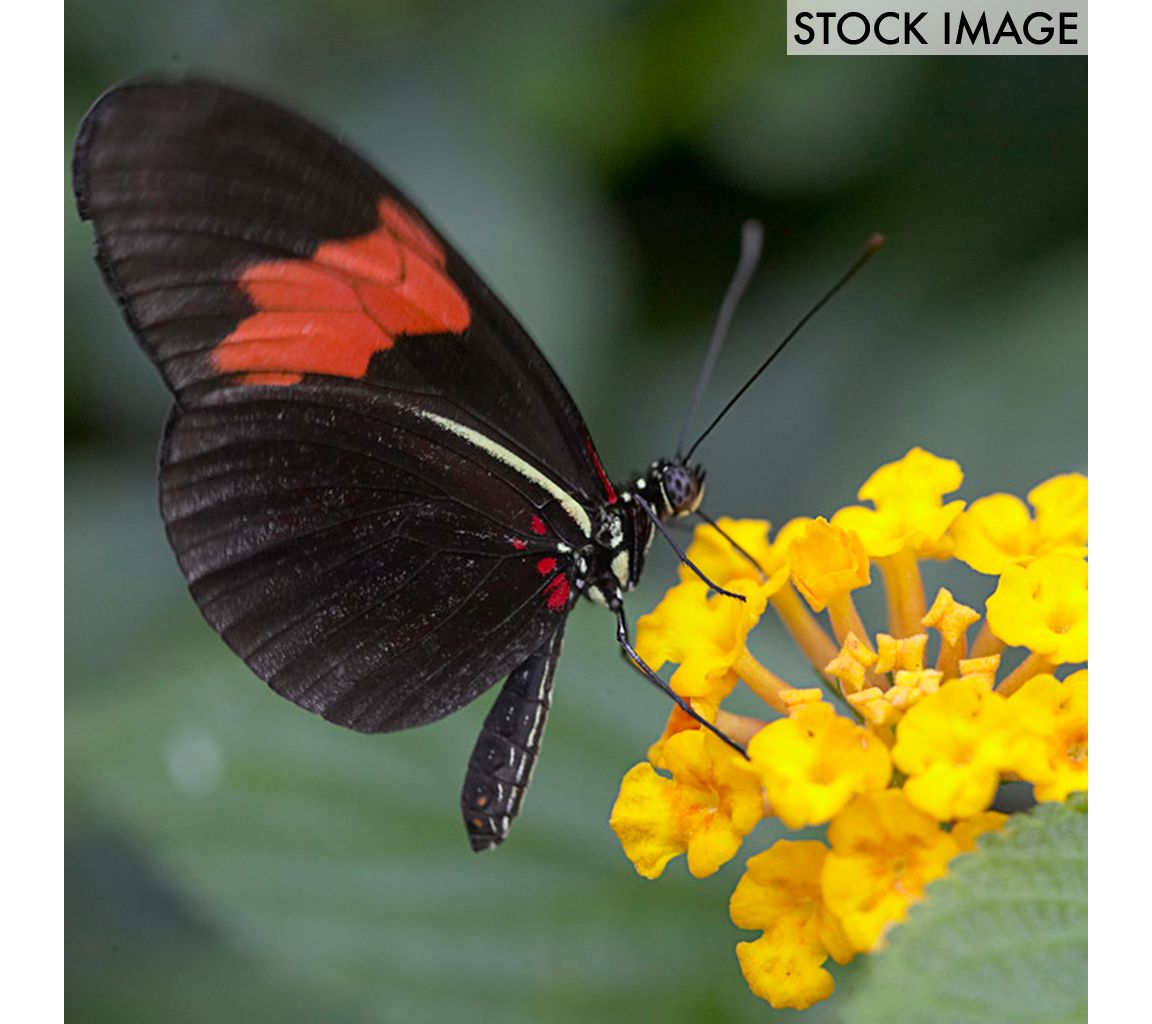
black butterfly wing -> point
(373, 480)
(245, 244)
(368, 567)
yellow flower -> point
(780, 895)
(799, 698)
(904, 776)
(903, 654)
(813, 763)
(827, 562)
(1061, 505)
(902, 659)
(873, 705)
(784, 967)
(950, 618)
(1044, 606)
(968, 830)
(681, 721)
(850, 667)
(1054, 716)
(951, 745)
(993, 533)
(983, 669)
(997, 531)
(884, 852)
(704, 636)
(909, 685)
(910, 512)
(711, 802)
(715, 556)
(886, 707)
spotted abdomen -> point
(505, 753)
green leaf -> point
(280, 847)
(1004, 937)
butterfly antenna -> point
(870, 249)
(751, 242)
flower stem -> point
(741, 728)
(804, 628)
(768, 686)
(986, 643)
(1033, 665)
(950, 656)
(846, 619)
(904, 588)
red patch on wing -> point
(519, 544)
(538, 525)
(558, 591)
(330, 314)
(609, 490)
(266, 377)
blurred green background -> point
(230, 857)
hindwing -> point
(368, 565)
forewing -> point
(369, 565)
(249, 247)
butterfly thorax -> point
(624, 531)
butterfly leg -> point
(638, 663)
(732, 540)
(663, 531)
(501, 764)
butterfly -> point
(381, 495)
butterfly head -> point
(673, 488)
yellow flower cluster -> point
(900, 749)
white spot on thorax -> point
(621, 567)
(615, 532)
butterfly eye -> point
(681, 489)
